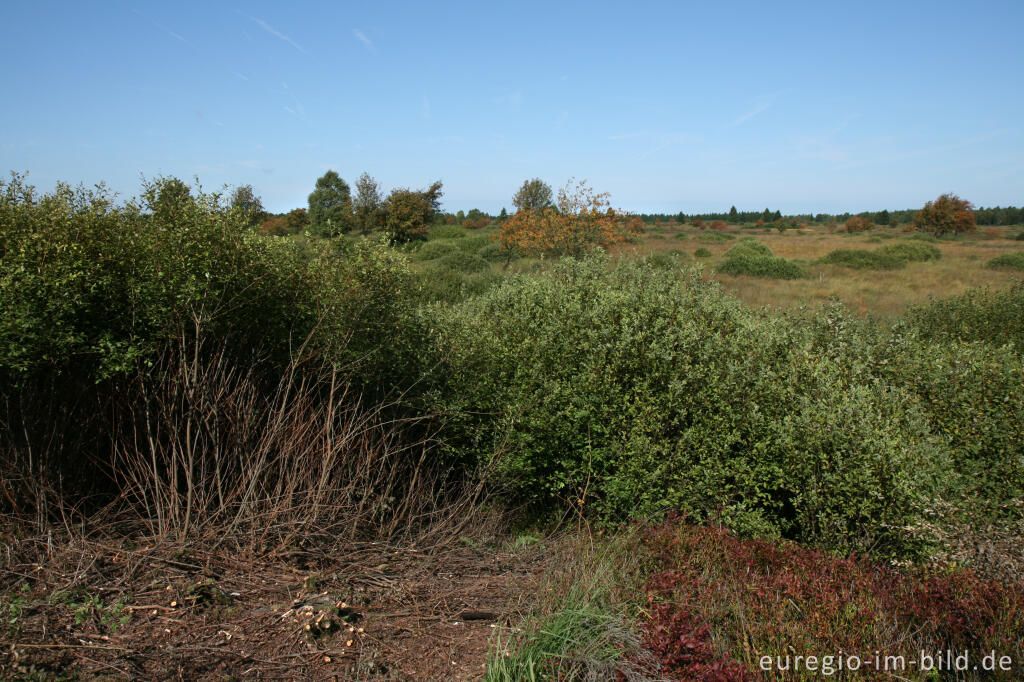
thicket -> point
(754, 259)
(889, 257)
(105, 304)
(622, 391)
(1008, 261)
(638, 390)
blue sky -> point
(669, 106)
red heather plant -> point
(720, 603)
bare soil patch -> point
(367, 611)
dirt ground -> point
(362, 612)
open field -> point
(882, 293)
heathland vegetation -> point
(766, 452)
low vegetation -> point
(180, 386)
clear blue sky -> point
(670, 106)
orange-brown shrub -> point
(948, 213)
(583, 220)
(718, 225)
(858, 224)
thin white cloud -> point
(290, 110)
(658, 140)
(763, 104)
(274, 32)
(928, 151)
(426, 107)
(361, 37)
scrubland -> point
(229, 455)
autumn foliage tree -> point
(948, 213)
(408, 214)
(581, 221)
(858, 224)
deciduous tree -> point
(532, 196)
(583, 220)
(330, 206)
(245, 200)
(408, 214)
(368, 203)
(948, 213)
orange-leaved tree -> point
(948, 213)
(581, 221)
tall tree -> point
(245, 200)
(948, 213)
(532, 196)
(734, 216)
(330, 206)
(408, 214)
(368, 203)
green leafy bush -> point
(861, 259)
(447, 232)
(460, 261)
(474, 243)
(701, 252)
(995, 317)
(97, 296)
(748, 246)
(767, 267)
(642, 389)
(911, 252)
(715, 237)
(1008, 261)
(432, 250)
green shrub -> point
(749, 246)
(1020, 236)
(995, 317)
(444, 231)
(912, 252)
(669, 259)
(474, 243)
(702, 253)
(99, 299)
(682, 235)
(439, 283)
(862, 259)
(492, 251)
(715, 237)
(921, 236)
(767, 267)
(970, 395)
(643, 389)
(460, 261)
(1007, 261)
(433, 250)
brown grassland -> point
(884, 294)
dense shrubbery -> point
(996, 317)
(1008, 261)
(640, 390)
(622, 391)
(862, 259)
(96, 295)
(754, 259)
(889, 257)
(912, 252)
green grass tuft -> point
(1007, 261)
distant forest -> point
(1009, 215)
